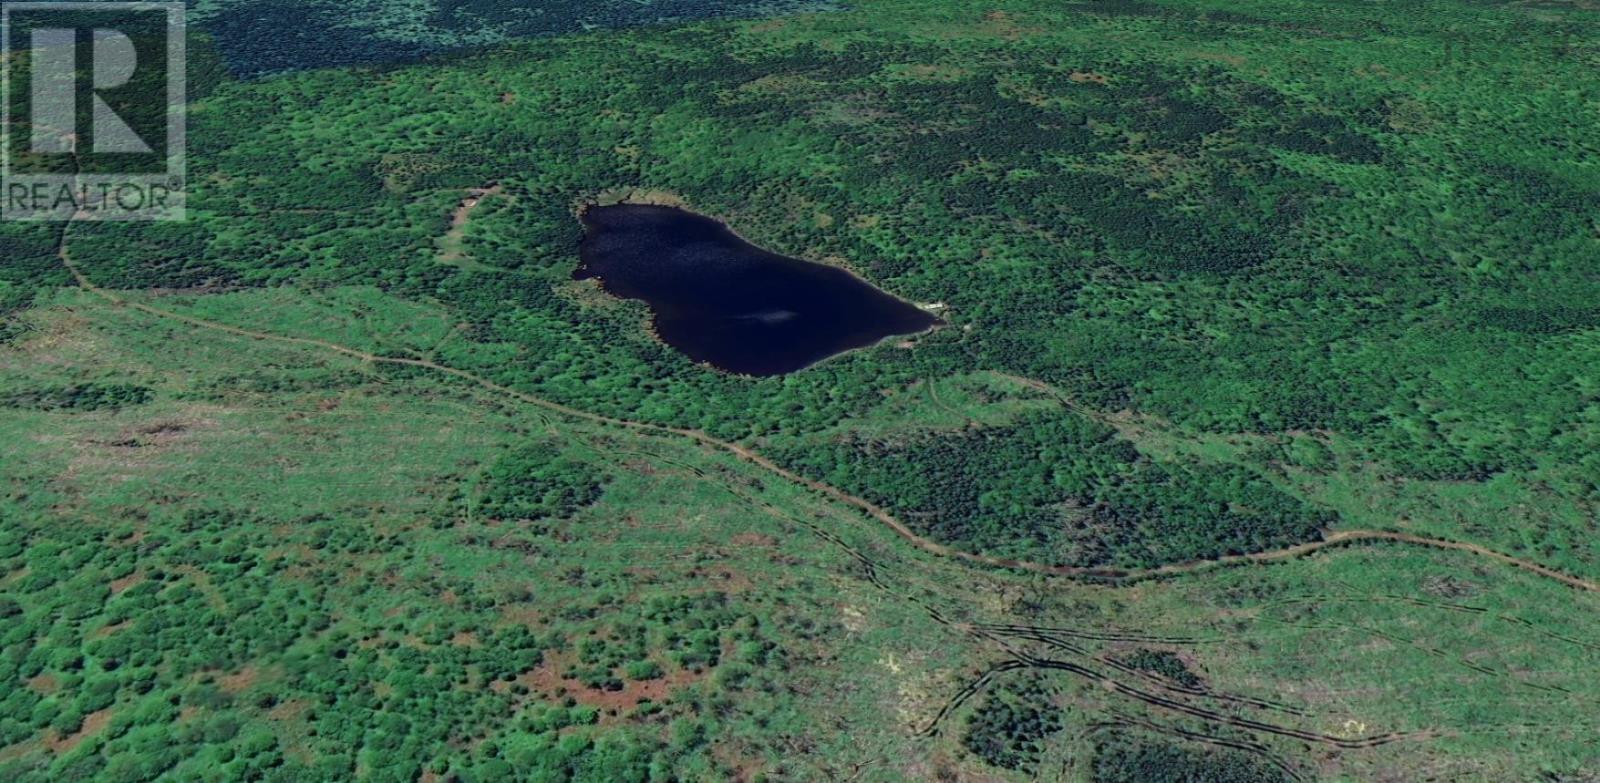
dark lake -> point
(721, 300)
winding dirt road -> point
(1341, 538)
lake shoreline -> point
(723, 301)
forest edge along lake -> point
(721, 300)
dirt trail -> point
(1335, 539)
(451, 250)
(871, 509)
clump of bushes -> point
(1011, 726)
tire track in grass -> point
(1256, 749)
(1357, 597)
(1003, 636)
(1058, 644)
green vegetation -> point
(1058, 487)
(1218, 278)
(1121, 758)
(260, 37)
(336, 603)
(536, 482)
(349, 615)
(1010, 727)
(1165, 663)
(1165, 211)
(80, 396)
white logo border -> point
(177, 102)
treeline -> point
(30, 262)
(13, 299)
(1061, 488)
(1121, 757)
(268, 37)
(78, 397)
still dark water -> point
(721, 300)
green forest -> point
(1060, 488)
(345, 477)
(1230, 250)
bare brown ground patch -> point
(936, 72)
(43, 684)
(135, 449)
(123, 583)
(290, 710)
(57, 339)
(547, 681)
(753, 539)
(775, 84)
(107, 630)
(724, 580)
(855, 109)
(450, 245)
(743, 762)
(663, 198)
(239, 681)
(202, 582)
(93, 723)
(522, 615)
(1004, 25)
(15, 576)
(17, 751)
(585, 293)
(158, 433)
(1088, 77)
